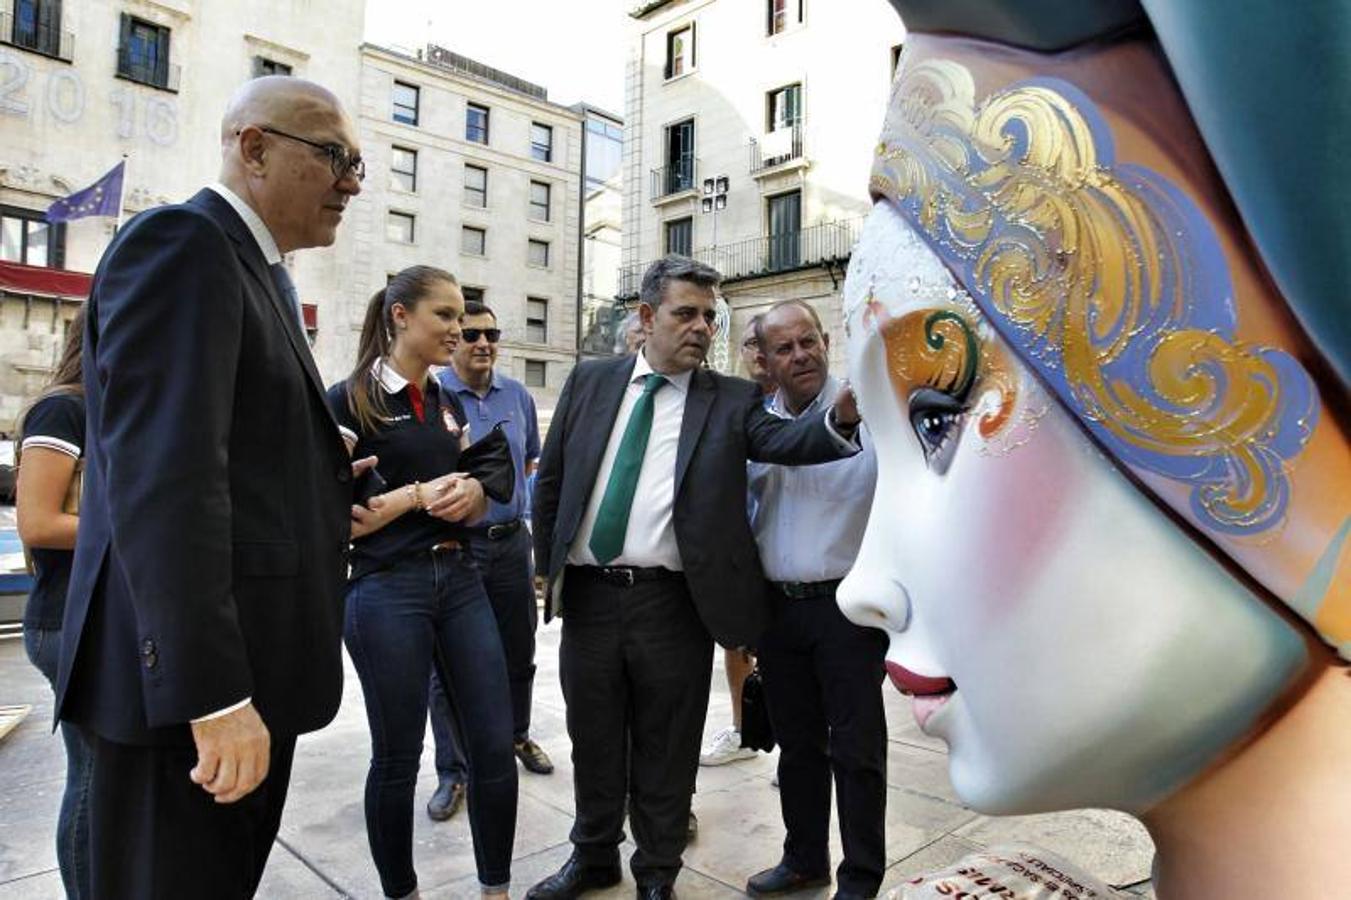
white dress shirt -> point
(809, 520)
(650, 538)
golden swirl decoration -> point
(1107, 278)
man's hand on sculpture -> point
(233, 754)
(845, 409)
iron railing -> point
(446, 59)
(771, 254)
(675, 177)
(776, 149)
(163, 75)
(48, 40)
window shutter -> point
(162, 69)
(670, 53)
(124, 45)
(694, 45)
(257, 67)
(801, 7)
(769, 16)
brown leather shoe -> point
(533, 757)
(446, 802)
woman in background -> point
(50, 449)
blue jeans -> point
(508, 574)
(397, 620)
(72, 826)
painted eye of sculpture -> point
(935, 417)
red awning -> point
(43, 282)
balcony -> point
(777, 149)
(157, 74)
(674, 179)
(828, 244)
(48, 40)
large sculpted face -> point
(1061, 634)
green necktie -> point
(612, 519)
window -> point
(785, 230)
(784, 107)
(680, 236)
(143, 53)
(604, 147)
(399, 227)
(680, 51)
(536, 320)
(264, 66)
(473, 241)
(679, 157)
(539, 254)
(536, 373)
(471, 294)
(403, 169)
(476, 186)
(778, 14)
(541, 142)
(539, 201)
(896, 59)
(406, 97)
(25, 237)
(37, 26)
(476, 124)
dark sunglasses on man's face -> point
(471, 335)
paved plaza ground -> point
(322, 850)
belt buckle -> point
(622, 576)
(495, 531)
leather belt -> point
(626, 576)
(503, 531)
(807, 590)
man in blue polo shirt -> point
(501, 547)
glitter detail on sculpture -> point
(1107, 278)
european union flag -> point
(102, 198)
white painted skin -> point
(1102, 658)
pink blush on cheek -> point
(1022, 502)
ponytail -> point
(406, 289)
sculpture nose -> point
(872, 598)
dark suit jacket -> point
(210, 558)
(725, 424)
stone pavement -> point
(322, 850)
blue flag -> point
(102, 198)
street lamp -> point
(714, 199)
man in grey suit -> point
(640, 530)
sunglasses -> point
(471, 335)
(340, 159)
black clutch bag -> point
(756, 731)
(489, 460)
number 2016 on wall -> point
(64, 100)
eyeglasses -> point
(340, 159)
(751, 343)
(471, 335)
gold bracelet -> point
(415, 495)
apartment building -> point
(749, 131)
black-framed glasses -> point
(471, 335)
(340, 159)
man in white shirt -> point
(822, 673)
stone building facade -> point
(85, 83)
(749, 129)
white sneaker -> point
(725, 748)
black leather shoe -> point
(574, 879)
(533, 757)
(849, 895)
(656, 892)
(446, 802)
(691, 828)
(781, 879)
